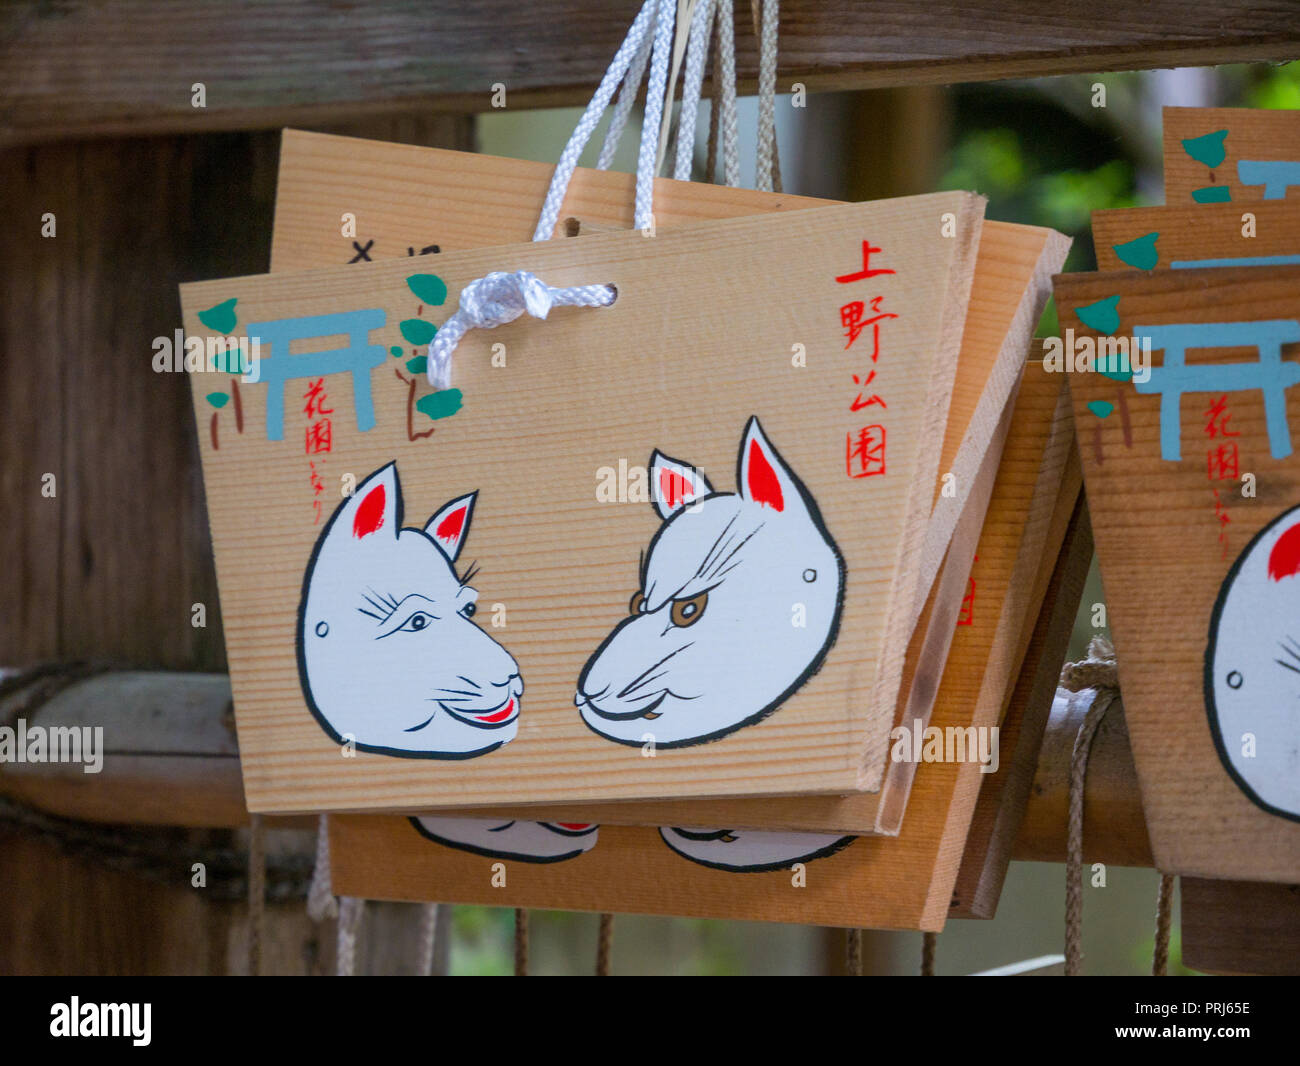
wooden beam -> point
(85, 67)
(1240, 927)
(1114, 831)
(170, 759)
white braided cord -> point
(766, 95)
(697, 50)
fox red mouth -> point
(490, 719)
(493, 717)
(573, 829)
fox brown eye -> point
(638, 601)
(688, 612)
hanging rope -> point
(498, 298)
(619, 66)
(1097, 672)
(502, 297)
(604, 944)
(627, 95)
(853, 952)
(928, 943)
(697, 51)
(1164, 919)
(256, 893)
(351, 911)
(428, 939)
(321, 903)
(765, 15)
(715, 105)
(521, 942)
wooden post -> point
(110, 561)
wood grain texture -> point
(878, 882)
(407, 198)
(994, 287)
(1196, 233)
(554, 450)
(111, 565)
(1005, 798)
(1240, 927)
(403, 197)
(1252, 134)
(93, 67)
(1163, 563)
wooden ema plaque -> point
(1238, 155)
(1263, 234)
(573, 397)
(408, 196)
(1193, 485)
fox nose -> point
(512, 679)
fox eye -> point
(468, 610)
(415, 623)
(688, 612)
(637, 603)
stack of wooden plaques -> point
(1185, 347)
(621, 723)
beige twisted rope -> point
(521, 942)
(853, 952)
(604, 944)
(1097, 672)
(1164, 918)
(428, 938)
(256, 893)
(928, 943)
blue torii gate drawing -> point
(1276, 175)
(359, 358)
(1270, 374)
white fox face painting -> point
(388, 653)
(521, 841)
(739, 603)
(1252, 668)
(751, 851)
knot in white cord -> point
(498, 298)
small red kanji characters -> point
(1222, 462)
(866, 271)
(314, 397)
(967, 615)
(859, 403)
(1217, 417)
(851, 318)
(865, 451)
(320, 437)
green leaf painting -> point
(1140, 253)
(396, 351)
(418, 365)
(1100, 408)
(428, 287)
(1103, 316)
(220, 317)
(417, 330)
(441, 404)
(217, 399)
(1209, 149)
(1212, 194)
